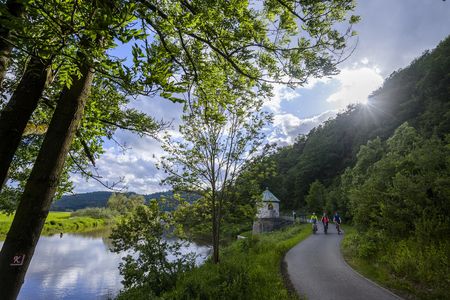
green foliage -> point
(406, 189)
(146, 264)
(194, 219)
(316, 197)
(221, 132)
(249, 269)
(104, 113)
(413, 269)
(122, 204)
(95, 212)
(400, 207)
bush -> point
(95, 212)
(428, 264)
(408, 264)
(146, 266)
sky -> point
(391, 34)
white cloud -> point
(355, 85)
(280, 93)
(312, 82)
(136, 164)
(286, 127)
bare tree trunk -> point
(36, 199)
(216, 231)
(17, 113)
(16, 9)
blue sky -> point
(390, 35)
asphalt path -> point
(317, 270)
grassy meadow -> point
(58, 222)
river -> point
(78, 266)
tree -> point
(117, 202)
(188, 36)
(24, 100)
(400, 207)
(316, 197)
(10, 12)
(221, 131)
(123, 204)
(44, 178)
(36, 199)
(147, 265)
(47, 44)
(105, 112)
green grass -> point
(371, 270)
(380, 273)
(248, 269)
(57, 222)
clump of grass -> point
(410, 269)
(5, 223)
(64, 222)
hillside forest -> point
(385, 167)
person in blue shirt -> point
(337, 220)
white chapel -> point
(270, 207)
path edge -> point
(364, 277)
(287, 279)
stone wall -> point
(269, 224)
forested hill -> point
(417, 94)
(94, 199)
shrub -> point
(95, 212)
(140, 235)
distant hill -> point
(94, 199)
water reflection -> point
(78, 266)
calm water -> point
(78, 266)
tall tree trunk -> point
(17, 113)
(36, 199)
(215, 229)
(15, 9)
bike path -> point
(317, 270)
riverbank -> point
(248, 269)
(58, 222)
(379, 272)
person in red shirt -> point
(325, 222)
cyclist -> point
(325, 221)
(337, 219)
(314, 222)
